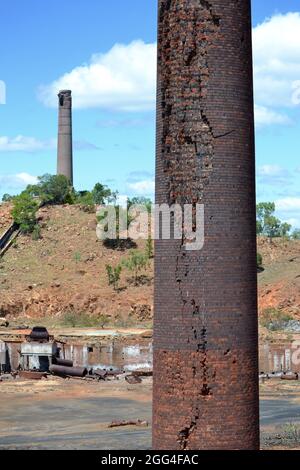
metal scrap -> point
(32, 375)
(133, 379)
(137, 422)
(63, 371)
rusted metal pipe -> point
(63, 371)
(63, 362)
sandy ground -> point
(72, 414)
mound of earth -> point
(5, 217)
(279, 283)
(65, 271)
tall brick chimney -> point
(205, 325)
(65, 147)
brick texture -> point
(205, 328)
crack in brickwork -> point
(187, 131)
(204, 329)
(201, 358)
(183, 131)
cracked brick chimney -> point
(65, 146)
(205, 326)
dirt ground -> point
(71, 414)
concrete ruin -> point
(205, 324)
(65, 144)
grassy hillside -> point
(65, 273)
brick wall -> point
(205, 332)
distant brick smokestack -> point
(205, 389)
(65, 146)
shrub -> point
(291, 433)
(113, 275)
(77, 256)
(274, 319)
(85, 199)
(24, 212)
(136, 262)
(52, 189)
(149, 248)
(259, 260)
(36, 233)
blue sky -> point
(74, 43)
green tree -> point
(113, 275)
(7, 198)
(24, 212)
(285, 229)
(296, 234)
(140, 201)
(101, 194)
(266, 222)
(136, 263)
(53, 189)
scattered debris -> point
(100, 373)
(133, 379)
(4, 323)
(143, 373)
(137, 422)
(32, 375)
(290, 376)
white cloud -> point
(123, 79)
(276, 47)
(25, 144)
(18, 181)
(288, 210)
(144, 187)
(273, 175)
(26, 178)
(272, 170)
(267, 117)
(288, 204)
(295, 223)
